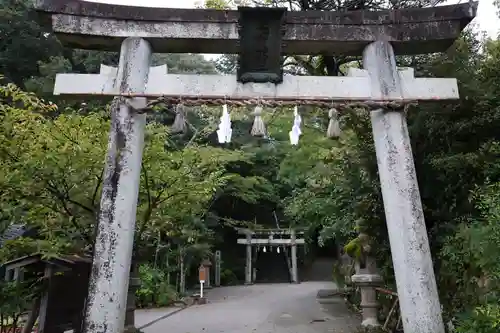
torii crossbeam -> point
(355, 87)
(86, 25)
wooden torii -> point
(260, 36)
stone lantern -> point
(367, 278)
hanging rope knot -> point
(179, 125)
(333, 130)
(224, 132)
(295, 132)
(393, 106)
(258, 127)
(138, 104)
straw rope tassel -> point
(333, 130)
(258, 128)
(179, 125)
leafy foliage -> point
(154, 289)
(52, 173)
(15, 298)
(484, 319)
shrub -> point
(154, 290)
(14, 300)
(483, 319)
(228, 278)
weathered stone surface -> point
(411, 256)
(367, 279)
(354, 87)
(89, 25)
(109, 279)
(260, 30)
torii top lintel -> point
(89, 25)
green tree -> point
(52, 171)
(23, 44)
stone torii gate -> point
(266, 237)
(260, 36)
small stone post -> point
(248, 266)
(109, 280)
(416, 284)
(295, 277)
(217, 269)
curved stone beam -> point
(89, 25)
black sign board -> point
(261, 31)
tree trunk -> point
(182, 283)
(168, 267)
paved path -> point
(261, 308)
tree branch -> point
(53, 189)
(146, 180)
(59, 196)
(96, 189)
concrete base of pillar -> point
(131, 329)
(134, 284)
(195, 299)
(201, 300)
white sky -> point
(486, 18)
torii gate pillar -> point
(248, 263)
(109, 279)
(295, 274)
(411, 256)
